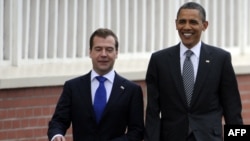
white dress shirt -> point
(108, 83)
(194, 58)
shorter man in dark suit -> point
(191, 87)
(118, 118)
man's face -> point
(103, 54)
(190, 26)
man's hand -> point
(59, 138)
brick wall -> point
(244, 86)
(25, 112)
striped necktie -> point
(188, 76)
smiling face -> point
(103, 54)
(190, 25)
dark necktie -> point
(188, 76)
(100, 98)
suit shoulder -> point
(127, 81)
(165, 51)
(77, 79)
(217, 50)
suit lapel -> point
(174, 61)
(85, 92)
(204, 67)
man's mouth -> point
(102, 62)
(187, 34)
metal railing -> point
(42, 31)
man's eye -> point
(181, 22)
(110, 49)
(193, 22)
(98, 49)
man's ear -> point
(205, 25)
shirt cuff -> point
(57, 135)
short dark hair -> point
(194, 5)
(103, 32)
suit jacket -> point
(216, 94)
(122, 119)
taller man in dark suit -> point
(191, 86)
(122, 117)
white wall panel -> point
(45, 31)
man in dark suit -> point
(194, 113)
(122, 118)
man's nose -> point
(187, 26)
(104, 52)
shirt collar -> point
(110, 76)
(195, 49)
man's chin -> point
(104, 69)
(188, 44)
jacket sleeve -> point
(61, 121)
(230, 96)
(152, 121)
